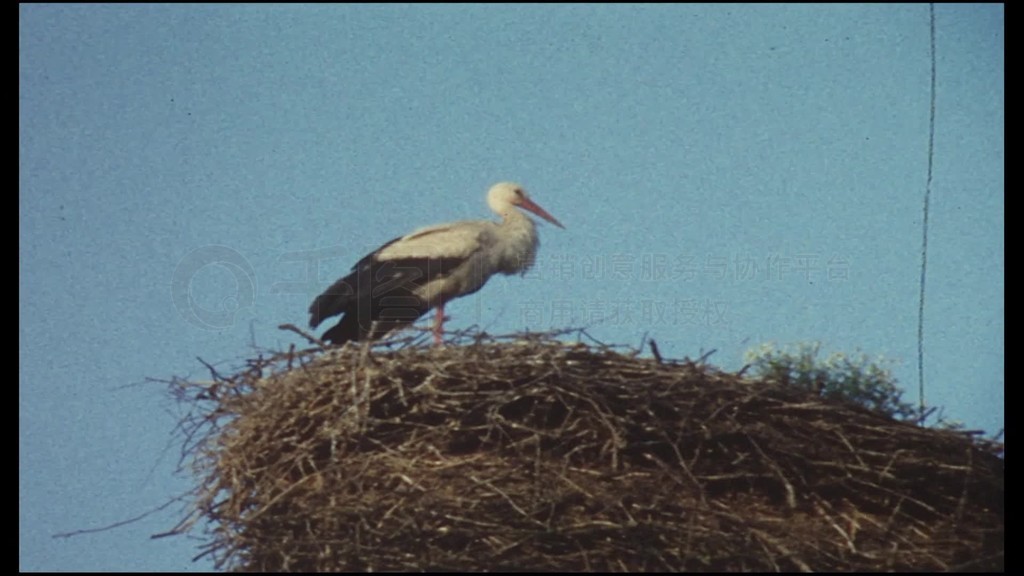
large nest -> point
(535, 454)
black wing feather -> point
(377, 296)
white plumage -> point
(403, 279)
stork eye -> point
(519, 192)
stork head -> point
(504, 195)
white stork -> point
(403, 279)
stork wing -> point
(453, 240)
(386, 280)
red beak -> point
(528, 204)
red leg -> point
(439, 325)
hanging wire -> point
(924, 238)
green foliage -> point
(855, 378)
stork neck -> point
(517, 242)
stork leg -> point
(439, 325)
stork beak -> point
(528, 204)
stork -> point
(406, 277)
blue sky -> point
(192, 176)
